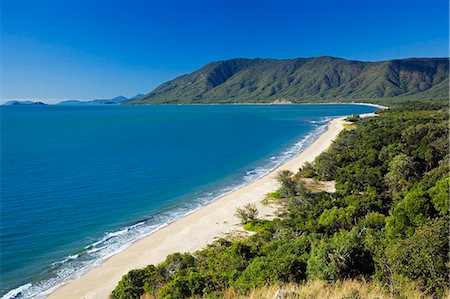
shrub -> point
(424, 256)
(176, 262)
(336, 218)
(247, 213)
(301, 189)
(367, 202)
(287, 183)
(274, 195)
(285, 262)
(258, 225)
(185, 286)
(401, 168)
(136, 282)
(325, 166)
(223, 261)
(411, 212)
(342, 256)
(307, 170)
(353, 118)
(374, 220)
(440, 195)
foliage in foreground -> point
(342, 289)
(387, 223)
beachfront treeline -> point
(387, 222)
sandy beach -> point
(193, 231)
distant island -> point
(114, 101)
(318, 79)
(15, 103)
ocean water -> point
(79, 184)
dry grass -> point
(317, 289)
(319, 186)
(347, 289)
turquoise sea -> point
(80, 183)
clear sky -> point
(85, 49)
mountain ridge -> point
(297, 80)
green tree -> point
(287, 183)
(354, 118)
(401, 168)
(342, 256)
(246, 214)
(410, 213)
(282, 261)
(440, 195)
(184, 286)
(307, 170)
(336, 218)
(424, 256)
(391, 150)
(301, 189)
(176, 262)
(325, 166)
(136, 282)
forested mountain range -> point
(305, 80)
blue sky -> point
(85, 49)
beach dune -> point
(191, 232)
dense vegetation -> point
(305, 79)
(387, 223)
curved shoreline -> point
(193, 231)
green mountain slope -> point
(305, 79)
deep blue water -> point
(80, 183)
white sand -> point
(192, 232)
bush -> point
(258, 225)
(307, 170)
(285, 262)
(401, 168)
(424, 256)
(274, 195)
(353, 118)
(136, 282)
(440, 196)
(287, 183)
(176, 262)
(223, 261)
(247, 213)
(336, 218)
(367, 202)
(340, 257)
(413, 211)
(325, 166)
(374, 220)
(185, 286)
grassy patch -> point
(258, 225)
(351, 126)
(272, 198)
